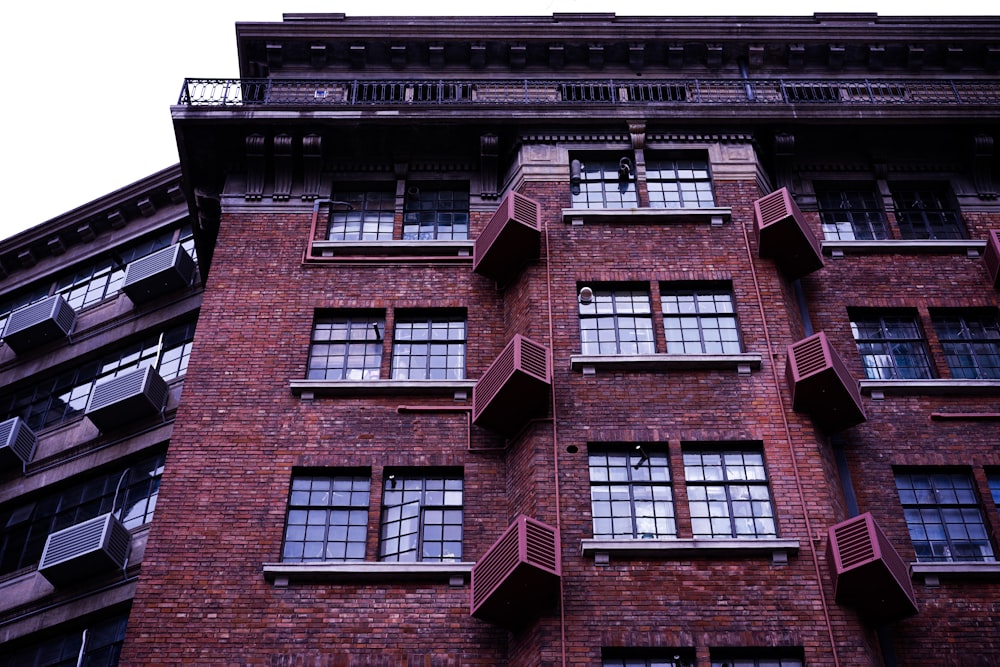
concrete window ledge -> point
(393, 248)
(282, 574)
(602, 550)
(715, 217)
(967, 247)
(878, 389)
(309, 389)
(590, 364)
(932, 573)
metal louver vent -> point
(518, 575)
(514, 388)
(134, 395)
(821, 384)
(17, 443)
(784, 235)
(92, 547)
(39, 323)
(511, 238)
(162, 272)
(868, 573)
(991, 258)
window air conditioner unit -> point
(39, 323)
(518, 576)
(991, 258)
(126, 398)
(160, 273)
(514, 388)
(867, 572)
(821, 384)
(93, 547)
(17, 443)
(511, 238)
(784, 235)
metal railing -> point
(353, 92)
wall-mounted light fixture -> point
(586, 296)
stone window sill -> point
(602, 550)
(932, 573)
(878, 389)
(715, 217)
(310, 389)
(901, 247)
(589, 364)
(431, 249)
(282, 574)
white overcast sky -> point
(89, 85)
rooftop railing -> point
(353, 92)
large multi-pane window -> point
(943, 515)
(616, 319)
(361, 215)
(994, 481)
(421, 517)
(92, 283)
(630, 493)
(971, 342)
(129, 491)
(97, 643)
(699, 320)
(728, 494)
(927, 212)
(680, 183)
(604, 184)
(327, 518)
(756, 658)
(851, 213)
(891, 345)
(429, 347)
(435, 213)
(64, 396)
(680, 657)
(346, 346)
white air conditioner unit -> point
(126, 398)
(89, 548)
(17, 443)
(39, 323)
(160, 273)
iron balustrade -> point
(351, 92)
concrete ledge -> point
(601, 550)
(651, 216)
(591, 363)
(393, 248)
(282, 574)
(877, 389)
(932, 573)
(903, 247)
(309, 389)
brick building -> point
(580, 340)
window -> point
(681, 183)
(728, 493)
(892, 346)
(851, 213)
(97, 643)
(346, 347)
(971, 342)
(630, 494)
(648, 658)
(757, 658)
(421, 518)
(431, 213)
(327, 518)
(26, 527)
(62, 397)
(699, 320)
(927, 212)
(994, 480)
(429, 347)
(369, 216)
(617, 320)
(603, 183)
(943, 516)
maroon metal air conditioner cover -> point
(784, 235)
(821, 384)
(991, 258)
(511, 238)
(514, 388)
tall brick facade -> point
(370, 406)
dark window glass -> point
(327, 518)
(440, 214)
(851, 214)
(971, 342)
(617, 320)
(602, 184)
(429, 348)
(367, 217)
(630, 494)
(346, 347)
(892, 346)
(699, 321)
(943, 515)
(95, 644)
(421, 518)
(681, 183)
(927, 212)
(728, 493)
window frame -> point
(934, 214)
(865, 216)
(599, 175)
(455, 352)
(969, 344)
(370, 205)
(304, 494)
(687, 170)
(395, 484)
(370, 322)
(610, 292)
(699, 291)
(415, 228)
(882, 345)
(722, 450)
(649, 457)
